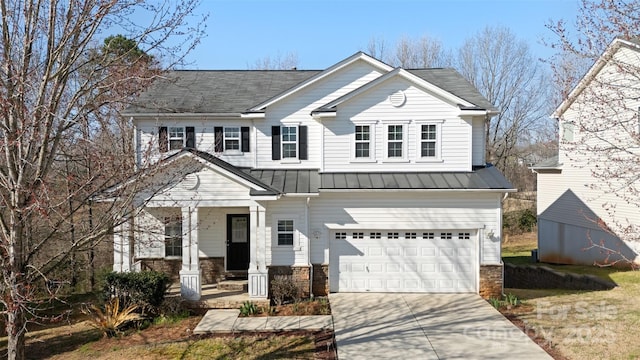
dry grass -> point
(582, 324)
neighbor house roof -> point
(550, 163)
(606, 56)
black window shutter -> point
(218, 139)
(191, 137)
(275, 143)
(302, 143)
(163, 141)
(245, 138)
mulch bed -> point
(535, 336)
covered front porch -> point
(213, 297)
(200, 245)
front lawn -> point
(580, 324)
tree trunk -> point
(15, 342)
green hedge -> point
(145, 289)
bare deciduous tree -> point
(424, 52)
(53, 94)
(288, 61)
(505, 71)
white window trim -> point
(224, 141)
(169, 138)
(275, 232)
(418, 132)
(168, 220)
(372, 142)
(290, 160)
(405, 140)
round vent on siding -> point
(397, 99)
(190, 182)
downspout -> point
(306, 210)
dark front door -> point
(237, 242)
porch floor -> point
(214, 298)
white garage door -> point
(403, 261)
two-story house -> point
(587, 195)
(359, 177)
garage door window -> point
(358, 235)
(375, 235)
(464, 236)
(341, 236)
(428, 236)
(410, 235)
(445, 236)
(393, 235)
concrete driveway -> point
(425, 326)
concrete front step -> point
(234, 285)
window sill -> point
(363, 160)
(428, 160)
(289, 161)
(392, 160)
(232, 153)
(173, 257)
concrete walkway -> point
(227, 321)
(425, 326)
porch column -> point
(190, 274)
(121, 248)
(258, 275)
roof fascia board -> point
(418, 190)
(331, 70)
(429, 87)
(607, 55)
(184, 114)
(226, 173)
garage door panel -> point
(405, 261)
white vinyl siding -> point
(147, 138)
(297, 108)
(478, 141)
(296, 254)
(405, 211)
(375, 109)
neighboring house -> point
(360, 177)
(587, 210)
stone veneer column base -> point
(299, 274)
(491, 281)
(320, 279)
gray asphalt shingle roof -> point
(236, 91)
(216, 91)
(453, 82)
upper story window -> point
(395, 141)
(428, 140)
(231, 139)
(176, 137)
(363, 141)
(289, 142)
(173, 236)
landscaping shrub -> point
(248, 308)
(112, 318)
(518, 222)
(146, 289)
(284, 289)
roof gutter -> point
(419, 190)
(182, 114)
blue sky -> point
(321, 33)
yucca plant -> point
(112, 318)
